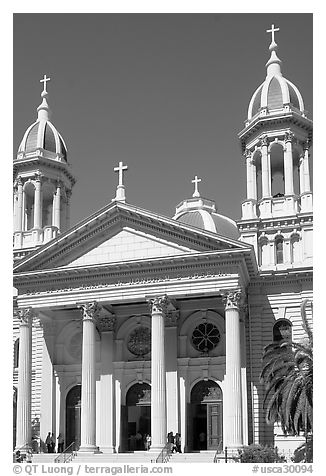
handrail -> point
(225, 458)
(67, 454)
(165, 454)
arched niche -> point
(28, 205)
(276, 151)
(48, 191)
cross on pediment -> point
(44, 81)
(121, 168)
(272, 31)
(196, 181)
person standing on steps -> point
(48, 443)
(60, 443)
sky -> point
(166, 94)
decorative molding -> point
(171, 318)
(264, 140)
(106, 323)
(233, 298)
(25, 316)
(159, 304)
(288, 136)
(90, 310)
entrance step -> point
(200, 457)
(136, 457)
(44, 457)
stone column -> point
(37, 203)
(56, 207)
(233, 391)
(105, 419)
(251, 177)
(24, 428)
(288, 164)
(306, 173)
(88, 390)
(265, 169)
(19, 210)
(158, 393)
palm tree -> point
(288, 377)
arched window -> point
(263, 256)
(279, 242)
(16, 353)
(282, 331)
(295, 249)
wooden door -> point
(214, 426)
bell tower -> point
(276, 140)
(42, 183)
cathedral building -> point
(132, 323)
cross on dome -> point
(196, 181)
(272, 31)
(44, 80)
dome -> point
(276, 93)
(201, 213)
(43, 135)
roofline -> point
(199, 233)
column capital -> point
(59, 183)
(264, 140)
(19, 180)
(90, 310)
(38, 176)
(289, 136)
(306, 144)
(247, 154)
(25, 315)
(159, 304)
(233, 298)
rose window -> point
(139, 342)
(205, 337)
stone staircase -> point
(137, 457)
(199, 457)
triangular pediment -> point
(121, 232)
(129, 244)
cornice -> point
(209, 265)
(295, 221)
(282, 278)
(271, 121)
(51, 163)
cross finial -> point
(120, 169)
(44, 80)
(196, 181)
(272, 31)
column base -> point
(89, 449)
(156, 449)
(234, 450)
(24, 449)
(107, 449)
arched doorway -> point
(73, 411)
(137, 416)
(206, 416)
